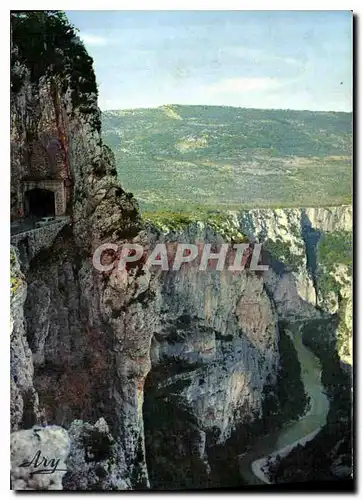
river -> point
(313, 420)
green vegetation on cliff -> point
(334, 250)
(334, 281)
(48, 46)
(281, 251)
(177, 158)
(178, 221)
(16, 277)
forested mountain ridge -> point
(184, 157)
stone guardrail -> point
(30, 242)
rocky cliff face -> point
(24, 398)
(93, 338)
(291, 289)
(213, 351)
(64, 333)
(309, 252)
(315, 247)
(146, 370)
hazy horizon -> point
(226, 106)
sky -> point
(256, 59)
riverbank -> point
(260, 467)
(253, 464)
(329, 456)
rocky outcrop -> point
(24, 398)
(311, 266)
(328, 219)
(71, 342)
(291, 236)
(93, 462)
(38, 458)
(213, 349)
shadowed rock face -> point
(93, 463)
(214, 346)
(187, 355)
(24, 399)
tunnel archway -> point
(39, 202)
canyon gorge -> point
(151, 379)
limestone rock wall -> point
(71, 343)
(24, 410)
(95, 345)
(297, 232)
(93, 462)
(311, 287)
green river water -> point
(313, 419)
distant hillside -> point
(184, 157)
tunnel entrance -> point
(39, 203)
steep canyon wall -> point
(145, 370)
